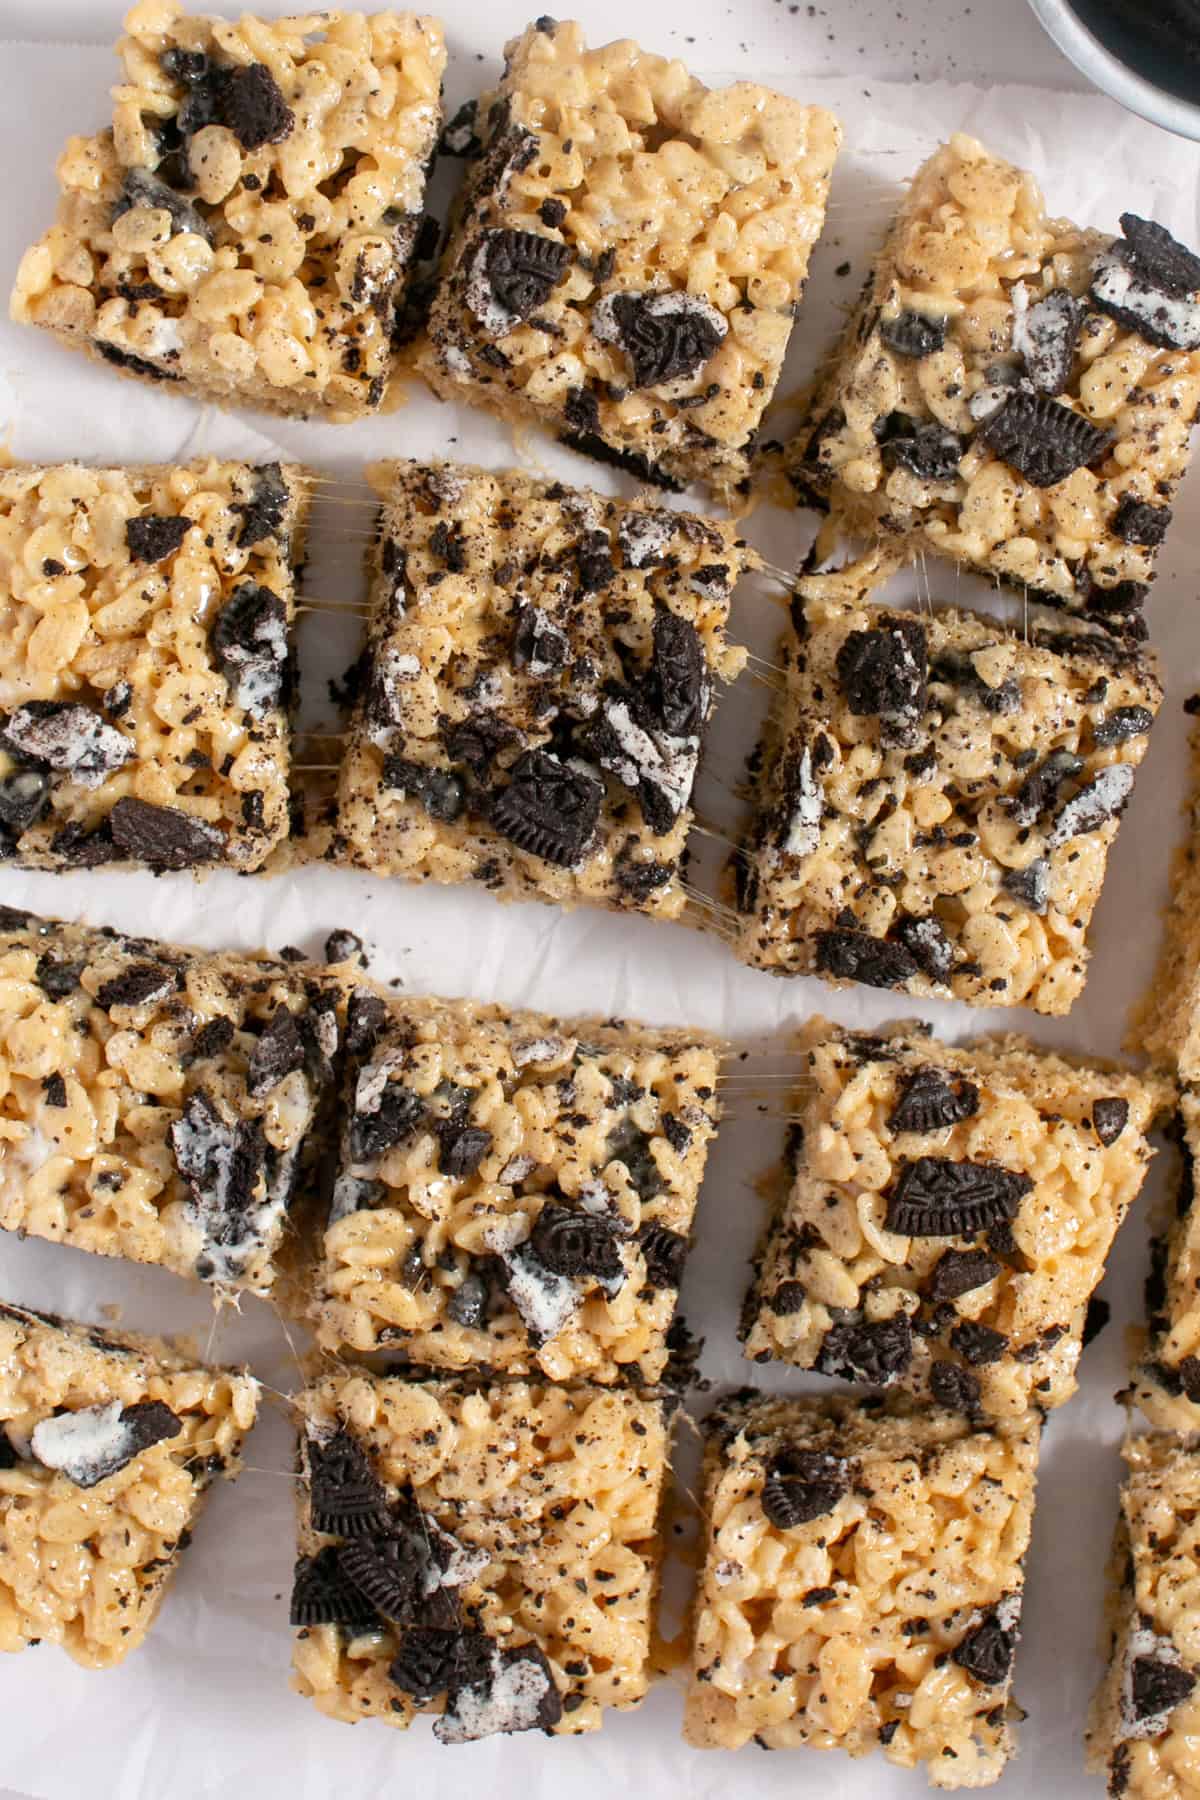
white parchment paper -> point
(204, 1708)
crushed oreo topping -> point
(1099, 800)
(883, 674)
(1137, 522)
(1041, 439)
(877, 1351)
(802, 1485)
(937, 1197)
(959, 1272)
(913, 334)
(140, 984)
(263, 514)
(278, 1053)
(1039, 790)
(954, 1387)
(1122, 724)
(1045, 335)
(986, 1652)
(1109, 1118)
(69, 738)
(930, 1100)
(141, 188)
(1030, 885)
(548, 809)
(927, 450)
(1157, 1687)
(222, 1164)
(926, 942)
(155, 536)
(439, 792)
(393, 1114)
(249, 643)
(163, 837)
(664, 1252)
(667, 337)
(850, 955)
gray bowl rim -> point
(1113, 77)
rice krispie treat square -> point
(246, 226)
(628, 254)
(146, 662)
(1014, 392)
(160, 1104)
(1165, 1025)
(542, 664)
(515, 1192)
(487, 1552)
(108, 1444)
(1144, 1726)
(862, 1583)
(947, 1214)
(937, 797)
(1166, 1380)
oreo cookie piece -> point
(516, 1692)
(68, 738)
(438, 791)
(512, 273)
(278, 1053)
(926, 942)
(463, 1148)
(141, 984)
(430, 1662)
(1137, 522)
(913, 334)
(850, 955)
(548, 809)
(1043, 440)
(395, 1115)
(679, 680)
(938, 1197)
(959, 1272)
(576, 1243)
(163, 837)
(56, 979)
(1157, 1687)
(802, 1485)
(927, 450)
(249, 644)
(629, 1144)
(468, 1304)
(323, 1595)
(538, 644)
(251, 105)
(1099, 800)
(977, 1343)
(94, 1442)
(345, 1496)
(263, 514)
(877, 1351)
(659, 769)
(954, 1387)
(883, 673)
(664, 1252)
(141, 188)
(1148, 283)
(389, 1568)
(930, 1100)
(666, 336)
(1039, 790)
(1045, 336)
(1109, 1118)
(1124, 723)
(155, 536)
(222, 1164)
(24, 796)
(986, 1652)
(1030, 885)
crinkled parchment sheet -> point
(204, 1708)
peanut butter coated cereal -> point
(947, 1215)
(542, 667)
(146, 620)
(937, 799)
(1145, 1720)
(107, 1444)
(628, 253)
(1014, 392)
(487, 1552)
(862, 1582)
(515, 1192)
(245, 227)
(157, 1103)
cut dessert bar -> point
(1144, 1728)
(1166, 1382)
(628, 254)
(862, 1585)
(515, 1192)
(489, 1552)
(1014, 392)
(947, 1214)
(246, 227)
(107, 1444)
(541, 667)
(937, 800)
(1165, 1025)
(146, 668)
(160, 1104)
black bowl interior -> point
(1158, 39)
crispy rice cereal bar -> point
(1166, 1023)
(542, 667)
(107, 1445)
(862, 1588)
(1166, 1382)
(628, 254)
(246, 227)
(937, 800)
(515, 1192)
(486, 1552)
(159, 1104)
(1014, 392)
(948, 1214)
(1144, 1729)
(146, 620)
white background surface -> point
(204, 1708)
